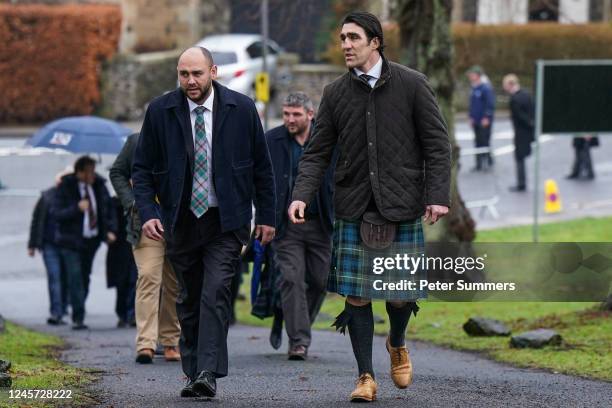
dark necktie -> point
(92, 214)
(366, 78)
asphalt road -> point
(262, 377)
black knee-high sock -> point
(398, 321)
(360, 322)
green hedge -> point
(501, 49)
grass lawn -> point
(587, 332)
(35, 366)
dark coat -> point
(70, 218)
(242, 171)
(522, 112)
(279, 143)
(482, 103)
(41, 217)
(120, 175)
(120, 264)
(392, 143)
(578, 142)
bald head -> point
(195, 52)
(196, 70)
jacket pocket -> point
(242, 166)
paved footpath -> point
(260, 376)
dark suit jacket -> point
(279, 143)
(120, 174)
(242, 171)
(522, 112)
(65, 208)
(40, 218)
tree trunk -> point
(426, 45)
(607, 304)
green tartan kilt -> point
(352, 272)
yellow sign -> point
(552, 201)
(262, 87)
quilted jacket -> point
(393, 144)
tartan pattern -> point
(199, 189)
(351, 271)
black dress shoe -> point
(79, 326)
(187, 391)
(55, 321)
(516, 189)
(276, 333)
(571, 176)
(205, 385)
(298, 353)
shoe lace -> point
(397, 357)
(363, 379)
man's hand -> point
(485, 122)
(31, 251)
(84, 205)
(111, 237)
(264, 233)
(434, 212)
(296, 212)
(153, 229)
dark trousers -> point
(126, 295)
(303, 256)
(582, 161)
(88, 254)
(483, 139)
(71, 260)
(57, 281)
(521, 178)
(204, 260)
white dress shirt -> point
(208, 126)
(89, 232)
(374, 72)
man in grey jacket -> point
(393, 168)
(155, 319)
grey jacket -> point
(120, 176)
(393, 146)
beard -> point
(201, 95)
(297, 129)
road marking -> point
(30, 151)
(19, 192)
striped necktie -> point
(199, 188)
(366, 78)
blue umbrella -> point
(82, 134)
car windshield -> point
(224, 57)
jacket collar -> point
(223, 102)
(385, 74)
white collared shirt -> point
(374, 72)
(89, 232)
(208, 126)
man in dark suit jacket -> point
(203, 155)
(85, 218)
(522, 111)
(302, 251)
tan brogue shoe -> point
(365, 390)
(171, 353)
(401, 366)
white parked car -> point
(239, 59)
